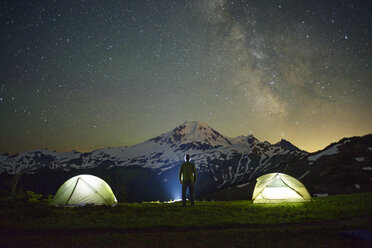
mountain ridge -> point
(221, 161)
(192, 137)
(177, 132)
(343, 167)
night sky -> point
(93, 74)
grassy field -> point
(218, 224)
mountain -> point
(149, 170)
(287, 145)
(340, 168)
(195, 133)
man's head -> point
(187, 157)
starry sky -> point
(92, 74)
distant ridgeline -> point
(227, 167)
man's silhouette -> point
(187, 178)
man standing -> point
(187, 178)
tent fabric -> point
(279, 187)
(84, 189)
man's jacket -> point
(188, 171)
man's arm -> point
(194, 170)
(180, 173)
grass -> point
(218, 224)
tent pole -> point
(72, 191)
(95, 191)
(264, 187)
(292, 188)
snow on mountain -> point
(193, 133)
(227, 161)
(360, 159)
(330, 151)
(337, 169)
(244, 140)
(221, 162)
(27, 162)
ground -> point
(209, 224)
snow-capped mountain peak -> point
(250, 139)
(210, 150)
(193, 132)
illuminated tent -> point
(278, 187)
(84, 189)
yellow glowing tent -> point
(278, 187)
(84, 189)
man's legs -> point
(192, 193)
(184, 187)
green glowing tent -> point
(278, 187)
(84, 189)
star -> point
(134, 70)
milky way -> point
(90, 74)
